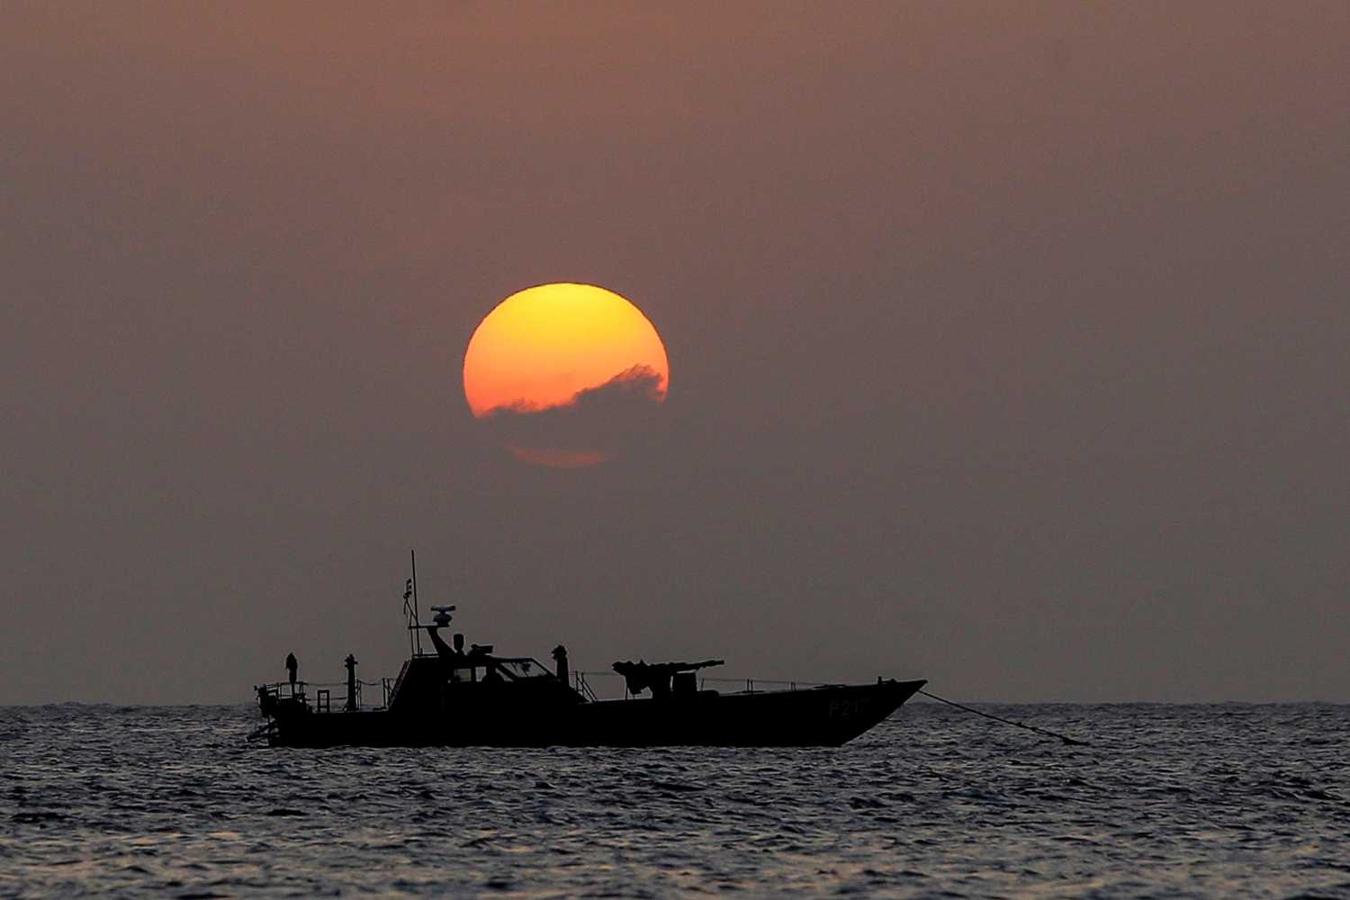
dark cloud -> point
(597, 424)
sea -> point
(1228, 800)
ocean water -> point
(1168, 801)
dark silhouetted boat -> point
(458, 697)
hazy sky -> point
(1009, 342)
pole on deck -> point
(417, 614)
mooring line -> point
(1054, 734)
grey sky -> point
(1008, 341)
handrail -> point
(581, 680)
(321, 692)
(751, 685)
(583, 687)
(306, 692)
(323, 684)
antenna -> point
(417, 615)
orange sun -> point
(563, 372)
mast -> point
(417, 614)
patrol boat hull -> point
(826, 715)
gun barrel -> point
(691, 666)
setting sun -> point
(559, 368)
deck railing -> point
(324, 691)
(583, 687)
(614, 686)
(319, 696)
(753, 685)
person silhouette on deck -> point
(292, 667)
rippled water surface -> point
(1168, 801)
